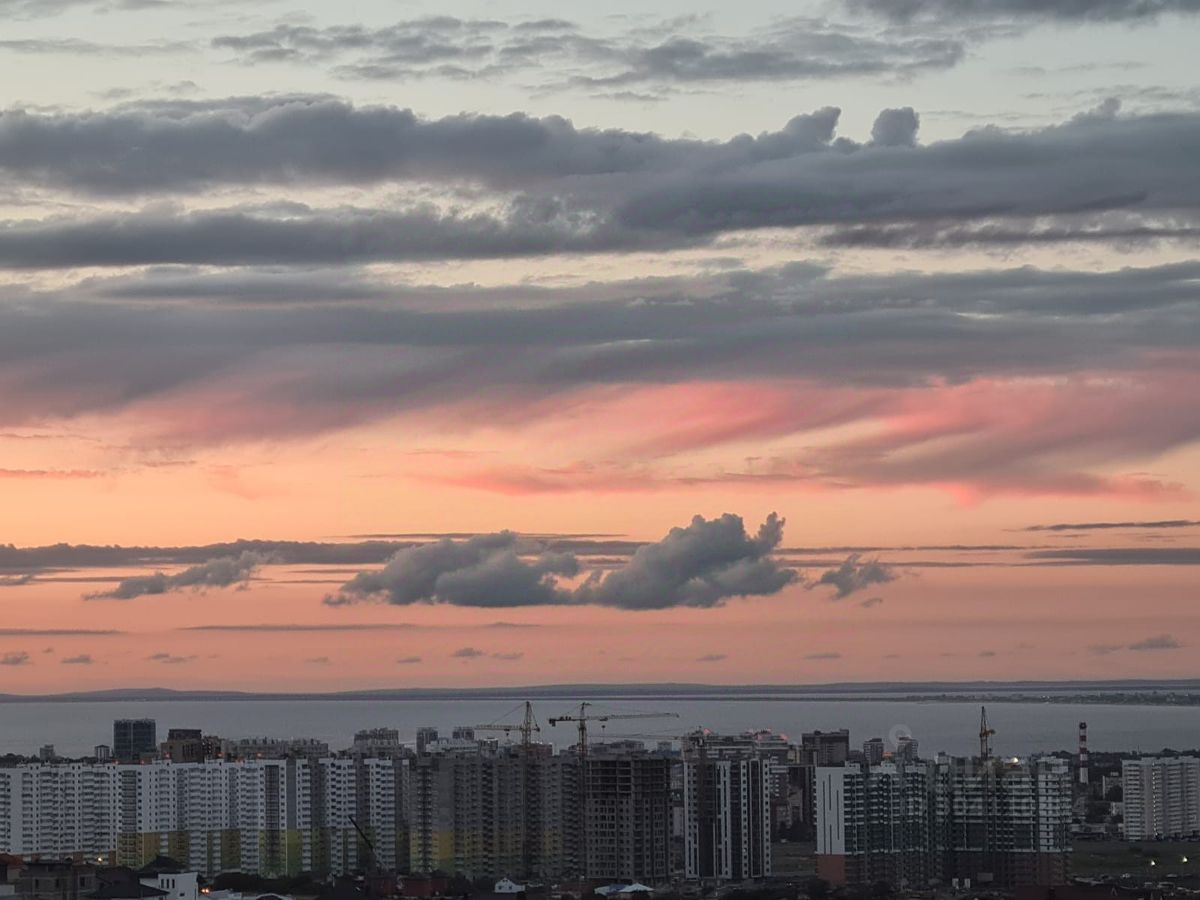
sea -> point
(1022, 728)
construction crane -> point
(527, 728)
(985, 736)
(584, 717)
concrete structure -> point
(183, 745)
(627, 815)
(1161, 797)
(873, 751)
(133, 738)
(377, 742)
(996, 823)
(727, 816)
(480, 812)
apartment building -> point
(628, 815)
(478, 811)
(1161, 797)
(727, 818)
(263, 816)
(997, 823)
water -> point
(1021, 728)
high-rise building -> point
(426, 735)
(627, 815)
(486, 813)
(183, 745)
(1161, 797)
(910, 823)
(134, 737)
(267, 817)
(906, 749)
(825, 748)
(726, 814)
(873, 751)
(377, 742)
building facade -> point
(916, 823)
(134, 737)
(1161, 797)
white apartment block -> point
(262, 816)
(1161, 797)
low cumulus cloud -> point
(408, 660)
(700, 565)
(712, 657)
(467, 653)
(854, 575)
(17, 580)
(871, 602)
(222, 572)
(823, 656)
(16, 658)
(83, 659)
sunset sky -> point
(397, 344)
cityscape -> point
(494, 808)
(637, 450)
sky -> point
(399, 344)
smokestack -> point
(1083, 754)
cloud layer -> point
(701, 565)
(221, 572)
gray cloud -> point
(17, 580)
(16, 658)
(1120, 556)
(221, 572)
(83, 659)
(314, 237)
(1150, 644)
(318, 661)
(485, 570)
(820, 656)
(59, 632)
(950, 11)
(1158, 642)
(854, 575)
(653, 55)
(563, 190)
(701, 565)
(468, 653)
(408, 660)
(896, 128)
(511, 656)
(712, 657)
(871, 602)
(1105, 526)
(306, 368)
(168, 659)
(568, 190)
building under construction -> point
(982, 821)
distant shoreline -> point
(1180, 693)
